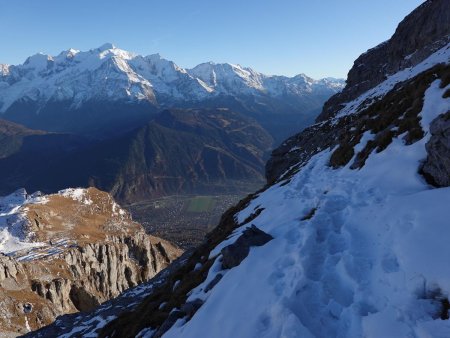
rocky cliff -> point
(75, 250)
(421, 33)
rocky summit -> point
(69, 252)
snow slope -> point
(372, 261)
(110, 73)
(13, 230)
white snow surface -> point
(367, 264)
(110, 73)
(77, 194)
(13, 231)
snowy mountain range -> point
(110, 73)
(110, 89)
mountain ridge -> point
(147, 74)
(180, 151)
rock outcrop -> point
(436, 168)
(90, 251)
(420, 34)
(234, 254)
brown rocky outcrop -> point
(101, 255)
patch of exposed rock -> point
(234, 254)
(420, 34)
(436, 168)
(103, 253)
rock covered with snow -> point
(14, 231)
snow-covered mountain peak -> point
(4, 69)
(115, 52)
(227, 77)
(154, 57)
(68, 54)
(304, 78)
(38, 61)
(106, 46)
(161, 66)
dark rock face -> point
(288, 156)
(187, 311)
(420, 34)
(235, 253)
(437, 165)
(214, 282)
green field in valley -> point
(201, 204)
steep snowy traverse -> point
(355, 253)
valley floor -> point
(183, 219)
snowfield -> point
(356, 253)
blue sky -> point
(319, 38)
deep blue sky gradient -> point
(286, 37)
